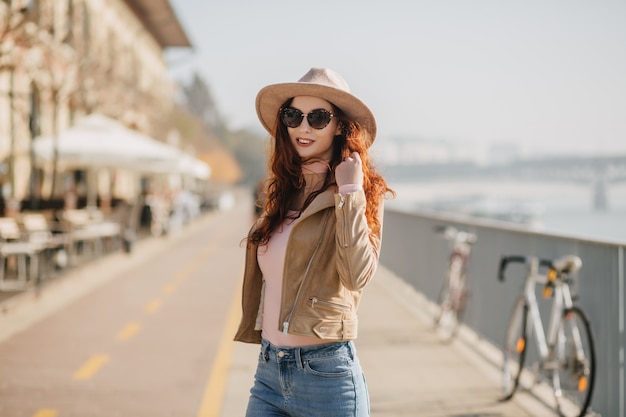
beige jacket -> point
(329, 259)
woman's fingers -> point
(350, 170)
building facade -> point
(63, 59)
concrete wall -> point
(413, 251)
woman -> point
(313, 249)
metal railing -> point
(414, 252)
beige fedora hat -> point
(317, 82)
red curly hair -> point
(286, 179)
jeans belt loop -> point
(265, 350)
(351, 349)
(299, 362)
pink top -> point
(271, 260)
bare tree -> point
(16, 36)
(199, 100)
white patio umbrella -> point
(199, 169)
(97, 141)
(192, 167)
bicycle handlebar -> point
(440, 228)
(505, 260)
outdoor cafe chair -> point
(50, 239)
(88, 226)
(13, 247)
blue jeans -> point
(315, 381)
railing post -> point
(622, 336)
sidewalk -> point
(409, 371)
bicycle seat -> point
(567, 264)
(466, 237)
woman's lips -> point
(304, 141)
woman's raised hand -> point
(350, 170)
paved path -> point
(150, 335)
(409, 371)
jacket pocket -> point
(325, 304)
(325, 328)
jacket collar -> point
(324, 200)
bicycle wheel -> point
(514, 348)
(451, 301)
(574, 378)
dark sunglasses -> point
(317, 119)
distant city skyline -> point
(547, 76)
(393, 151)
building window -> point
(31, 9)
(86, 25)
(35, 111)
(69, 23)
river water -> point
(565, 208)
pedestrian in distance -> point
(313, 249)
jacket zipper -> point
(342, 201)
(315, 300)
(306, 274)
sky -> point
(548, 76)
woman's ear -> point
(339, 130)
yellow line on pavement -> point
(90, 367)
(46, 413)
(128, 331)
(181, 276)
(153, 306)
(216, 385)
(168, 288)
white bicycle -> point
(566, 352)
(453, 293)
